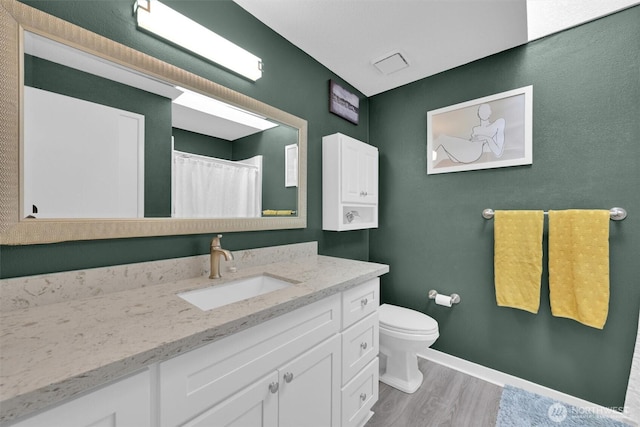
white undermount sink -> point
(237, 290)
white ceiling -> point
(349, 36)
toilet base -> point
(401, 370)
(406, 386)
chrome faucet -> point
(216, 252)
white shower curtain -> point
(207, 187)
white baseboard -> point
(501, 378)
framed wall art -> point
(343, 103)
(490, 132)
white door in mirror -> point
(82, 159)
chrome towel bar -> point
(616, 214)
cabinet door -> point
(349, 169)
(359, 169)
(253, 406)
(310, 388)
(126, 403)
(368, 169)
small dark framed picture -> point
(343, 103)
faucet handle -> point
(216, 241)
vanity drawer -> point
(360, 301)
(359, 396)
(197, 380)
(360, 344)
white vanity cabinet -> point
(301, 393)
(349, 183)
(315, 366)
(125, 403)
(288, 367)
(360, 347)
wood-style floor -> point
(446, 398)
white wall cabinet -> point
(349, 184)
(315, 367)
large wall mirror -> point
(101, 141)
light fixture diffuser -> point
(172, 26)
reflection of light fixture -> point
(208, 105)
(165, 22)
(198, 113)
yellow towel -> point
(579, 265)
(518, 258)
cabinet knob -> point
(273, 387)
(363, 345)
(364, 301)
(363, 396)
(288, 377)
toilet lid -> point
(402, 319)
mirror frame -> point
(15, 18)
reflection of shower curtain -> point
(207, 187)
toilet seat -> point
(406, 321)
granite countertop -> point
(53, 352)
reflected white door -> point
(82, 160)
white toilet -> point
(403, 333)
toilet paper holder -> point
(455, 298)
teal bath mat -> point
(520, 408)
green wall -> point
(586, 146)
(292, 81)
(205, 145)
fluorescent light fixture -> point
(170, 25)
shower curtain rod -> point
(616, 214)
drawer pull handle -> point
(363, 396)
(288, 377)
(273, 387)
(364, 301)
(363, 345)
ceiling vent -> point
(391, 63)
